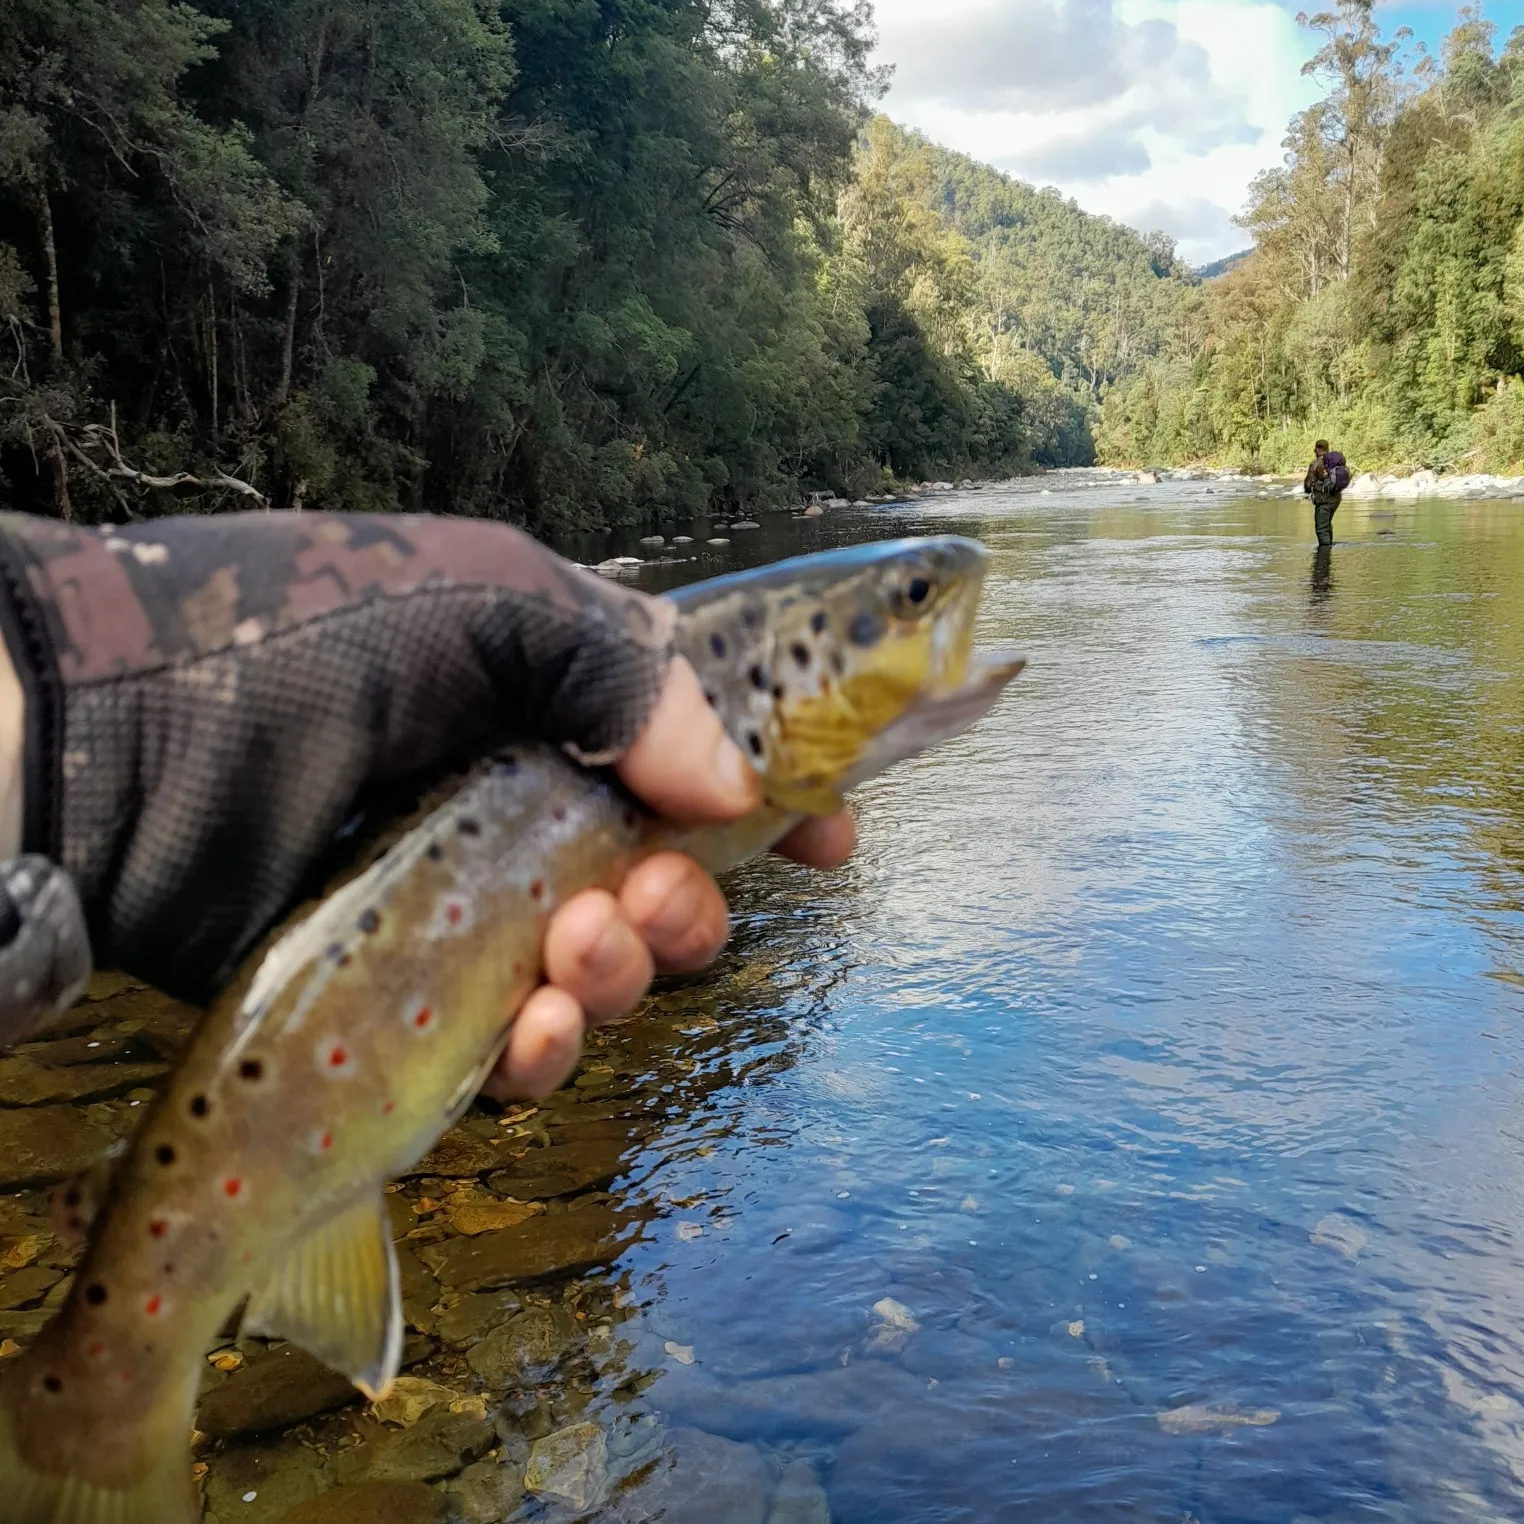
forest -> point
(567, 262)
(1383, 303)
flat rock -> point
(946, 1354)
(40, 1145)
(26, 1083)
(487, 1491)
(474, 1316)
(569, 1466)
(280, 1387)
(548, 1245)
(25, 1285)
(525, 1349)
(278, 1476)
(441, 1443)
(799, 1497)
(373, 1503)
(701, 1479)
(560, 1170)
(459, 1155)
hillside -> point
(1220, 267)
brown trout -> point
(365, 1027)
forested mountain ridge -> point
(570, 262)
(1383, 306)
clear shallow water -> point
(1162, 1051)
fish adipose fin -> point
(338, 1296)
(162, 1494)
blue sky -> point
(1156, 112)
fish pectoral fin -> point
(338, 1295)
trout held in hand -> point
(371, 1021)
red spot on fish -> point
(559, 812)
(152, 1306)
(338, 1056)
(422, 1017)
(158, 1227)
(518, 968)
(454, 911)
(232, 1186)
(326, 1141)
(536, 889)
(97, 1350)
(388, 1108)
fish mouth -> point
(939, 716)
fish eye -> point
(918, 590)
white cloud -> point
(1156, 112)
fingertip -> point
(543, 1047)
(678, 909)
(823, 842)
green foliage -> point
(572, 262)
(1383, 306)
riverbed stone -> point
(459, 1155)
(800, 1497)
(282, 1386)
(27, 1285)
(475, 1315)
(40, 1145)
(280, 1476)
(24, 1082)
(549, 1245)
(569, 1466)
(526, 1349)
(487, 1491)
(440, 1444)
(373, 1503)
(561, 1170)
(701, 1479)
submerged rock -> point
(41, 1145)
(487, 1491)
(525, 1349)
(441, 1443)
(280, 1387)
(1199, 1418)
(262, 1483)
(549, 1244)
(799, 1497)
(569, 1466)
(701, 1479)
(373, 1503)
(474, 1316)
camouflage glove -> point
(210, 700)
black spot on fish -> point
(629, 820)
(751, 618)
(710, 699)
(777, 690)
(865, 629)
(758, 677)
(52, 1383)
(918, 590)
(165, 1154)
(754, 741)
(717, 644)
(95, 1294)
(199, 1105)
(818, 622)
(336, 951)
(252, 1069)
(435, 852)
(71, 1197)
(470, 827)
(800, 652)
(369, 922)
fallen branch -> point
(97, 436)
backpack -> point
(1336, 470)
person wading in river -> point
(1326, 479)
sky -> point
(1156, 112)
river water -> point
(1133, 1130)
(1161, 1052)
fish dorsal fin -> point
(337, 1295)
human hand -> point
(602, 949)
(210, 700)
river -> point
(1133, 1130)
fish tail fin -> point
(52, 1487)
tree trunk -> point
(50, 263)
(288, 338)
